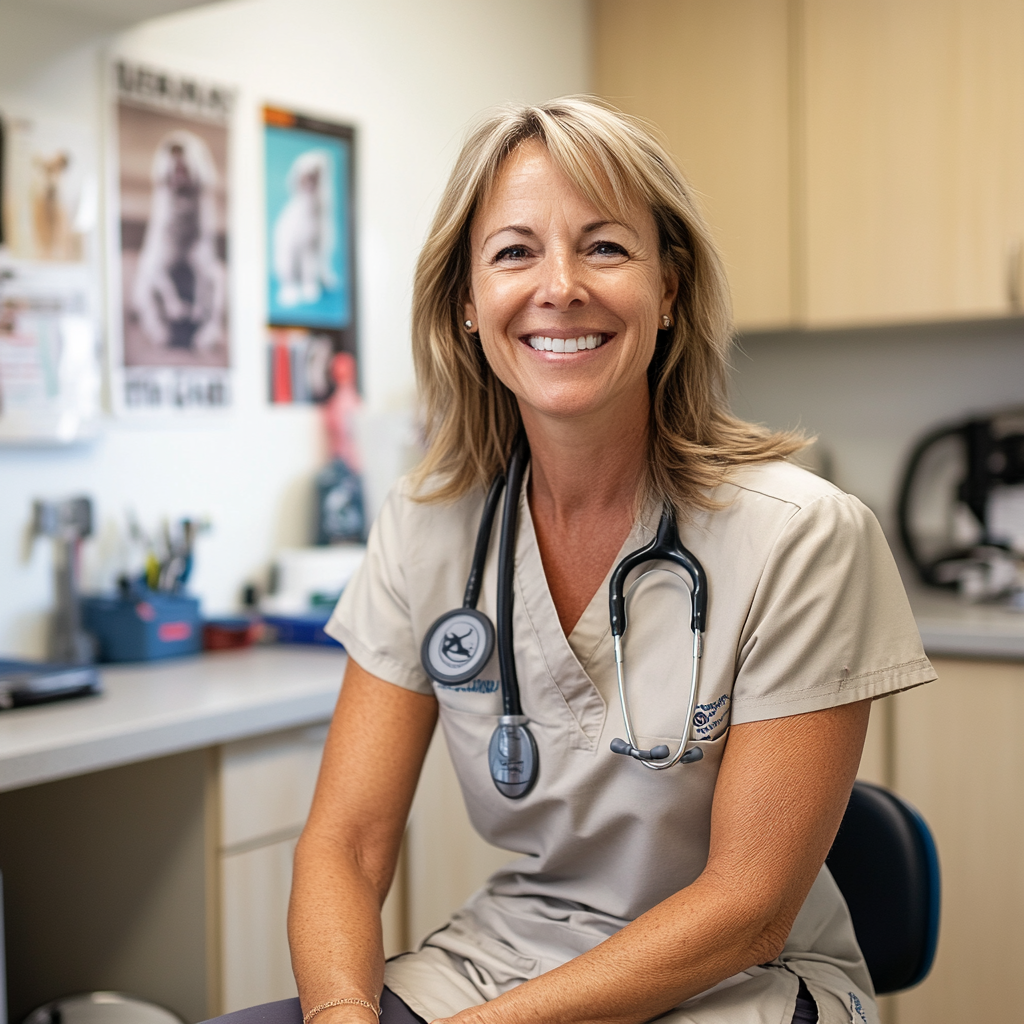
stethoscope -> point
(460, 643)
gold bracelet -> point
(337, 1002)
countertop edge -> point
(65, 761)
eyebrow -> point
(526, 232)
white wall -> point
(870, 394)
(410, 75)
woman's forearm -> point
(346, 856)
(682, 947)
(334, 928)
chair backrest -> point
(885, 863)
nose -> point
(560, 285)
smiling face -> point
(567, 298)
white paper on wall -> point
(49, 357)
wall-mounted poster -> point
(172, 351)
(310, 257)
(49, 188)
(49, 337)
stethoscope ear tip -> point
(658, 753)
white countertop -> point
(170, 706)
(951, 627)
(167, 707)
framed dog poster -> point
(310, 258)
(170, 347)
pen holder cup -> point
(144, 626)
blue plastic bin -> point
(144, 626)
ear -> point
(469, 311)
(671, 290)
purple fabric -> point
(288, 1011)
(394, 1011)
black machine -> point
(952, 510)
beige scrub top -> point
(806, 611)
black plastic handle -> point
(666, 547)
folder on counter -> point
(23, 683)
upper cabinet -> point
(913, 151)
(862, 162)
(714, 76)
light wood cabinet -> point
(255, 961)
(860, 162)
(912, 151)
(959, 758)
(265, 789)
(714, 76)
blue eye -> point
(512, 252)
(608, 249)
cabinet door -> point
(267, 783)
(912, 138)
(256, 966)
(713, 75)
(960, 760)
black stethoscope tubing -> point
(513, 755)
(511, 703)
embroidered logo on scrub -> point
(856, 1010)
(709, 718)
(477, 686)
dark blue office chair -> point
(885, 863)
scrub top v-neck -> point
(806, 611)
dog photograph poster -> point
(172, 189)
(310, 273)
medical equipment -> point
(67, 523)
(961, 507)
(666, 547)
(460, 642)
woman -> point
(569, 290)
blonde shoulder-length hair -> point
(472, 419)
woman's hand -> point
(346, 856)
(782, 790)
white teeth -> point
(587, 341)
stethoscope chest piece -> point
(513, 756)
(457, 646)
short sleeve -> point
(829, 623)
(372, 620)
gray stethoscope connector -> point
(460, 643)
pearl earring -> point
(468, 324)
(666, 322)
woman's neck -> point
(583, 467)
(584, 478)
